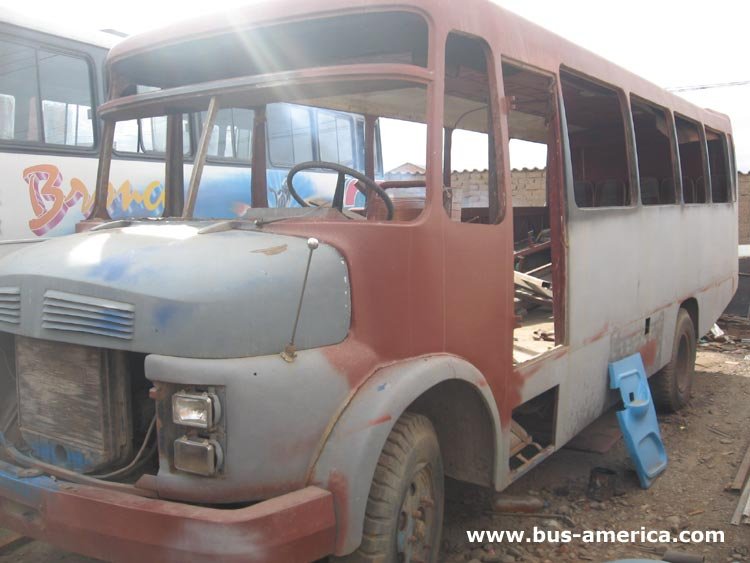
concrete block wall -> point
(743, 197)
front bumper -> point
(299, 526)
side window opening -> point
(55, 85)
(148, 136)
(598, 144)
(692, 166)
(335, 138)
(19, 86)
(7, 116)
(653, 141)
(289, 130)
(232, 134)
(718, 164)
(468, 124)
(65, 89)
(403, 144)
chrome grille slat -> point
(91, 315)
(10, 305)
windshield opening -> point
(319, 134)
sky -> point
(672, 43)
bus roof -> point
(95, 38)
(514, 37)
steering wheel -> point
(338, 195)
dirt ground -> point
(705, 444)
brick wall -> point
(528, 187)
(743, 195)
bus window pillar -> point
(447, 165)
(370, 121)
(174, 183)
(102, 175)
(258, 183)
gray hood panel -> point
(164, 288)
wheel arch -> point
(348, 458)
(691, 306)
(464, 429)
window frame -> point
(313, 127)
(733, 166)
(497, 137)
(673, 150)
(704, 156)
(40, 146)
(629, 138)
(727, 166)
(352, 126)
(197, 125)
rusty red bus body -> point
(432, 309)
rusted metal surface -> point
(260, 89)
(297, 527)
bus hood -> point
(167, 288)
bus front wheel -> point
(404, 514)
(671, 386)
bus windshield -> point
(270, 108)
(314, 127)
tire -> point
(404, 515)
(671, 386)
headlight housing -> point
(198, 455)
(197, 410)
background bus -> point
(50, 83)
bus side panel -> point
(627, 266)
(43, 195)
(46, 195)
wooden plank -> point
(741, 477)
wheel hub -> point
(416, 519)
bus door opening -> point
(536, 181)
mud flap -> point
(638, 419)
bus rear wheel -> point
(672, 385)
(404, 515)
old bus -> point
(296, 382)
(51, 81)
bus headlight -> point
(198, 410)
(198, 456)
